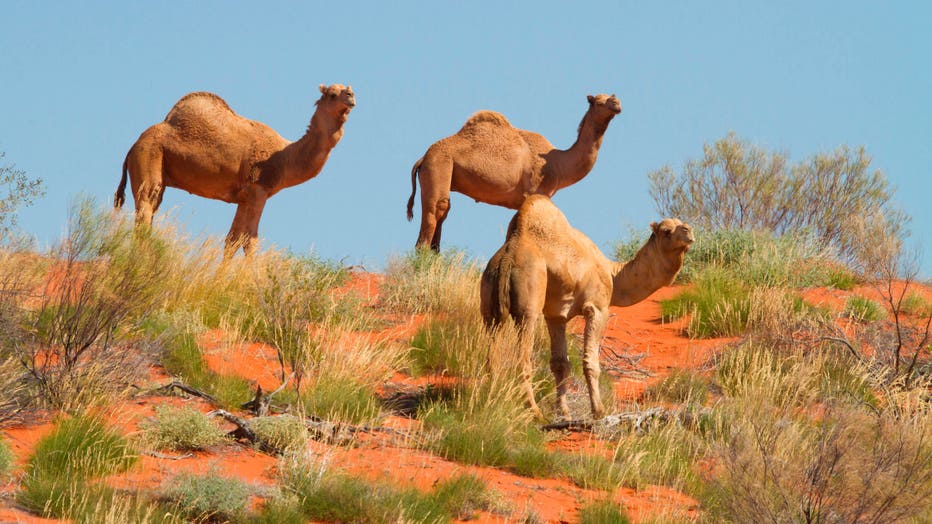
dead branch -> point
(636, 420)
(167, 388)
(165, 456)
(261, 404)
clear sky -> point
(79, 81)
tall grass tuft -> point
(426, 282)
(208, 497)
(863, 309)
(602, 512)
(77, 450)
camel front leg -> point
(592, 342)
(245, 229)
(559, 362)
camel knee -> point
(560, 366)
(442, 208)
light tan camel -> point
(546, 267)
(491, 161)
(208, 150)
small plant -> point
(680, 387)
(207, 497)
(863, 309)
(916, 304)
(593, 472)
(7, 459)
(602, 512)
(426, 282)
(183, 358)
(718, 306)
(281, 433)
(181, 429)
(341, 399)
(463, 495)
(77, 450)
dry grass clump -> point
(181, 429)
(282, 432)
(426, 282)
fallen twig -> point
(165, 456)
(187, 389)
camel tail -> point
(414, 170)
(496, 292)
(119, 198)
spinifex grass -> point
(77, 450)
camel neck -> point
(649, 270)
(307, 155)
(573, 164)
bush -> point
(737, 185)
(863, 309)
(207, 497)
(282, 433)
(181, 429)
(7, 459)
(602, 512)
(19, 191)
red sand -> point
(632, 330)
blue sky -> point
(79, 81)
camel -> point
(547, 268)
(206, 149)
(491, 161)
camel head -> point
(337, 97)
(609, 102)
(673, 234)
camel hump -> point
(540, 217)
(200, 99)
(487, 117)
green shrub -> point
(181, 429)
(915, 304)
(463, 495)
(718, 306)
(207, 497)
(281, 433)
(863, 309)
(7, 459)
(341, 399)
(602, 512)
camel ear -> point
(323, 88)
(654, 226)
(590, 98)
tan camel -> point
(493, 162)
(548, 268)
(208, 150)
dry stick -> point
(187, 389)
(261, 404)
(158, 455)
(633, 361)
(637, 419)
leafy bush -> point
(181, 429)
(737, 185)
(19, 191)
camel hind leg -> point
(144, 163)
(435, 177)
(596, 320)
